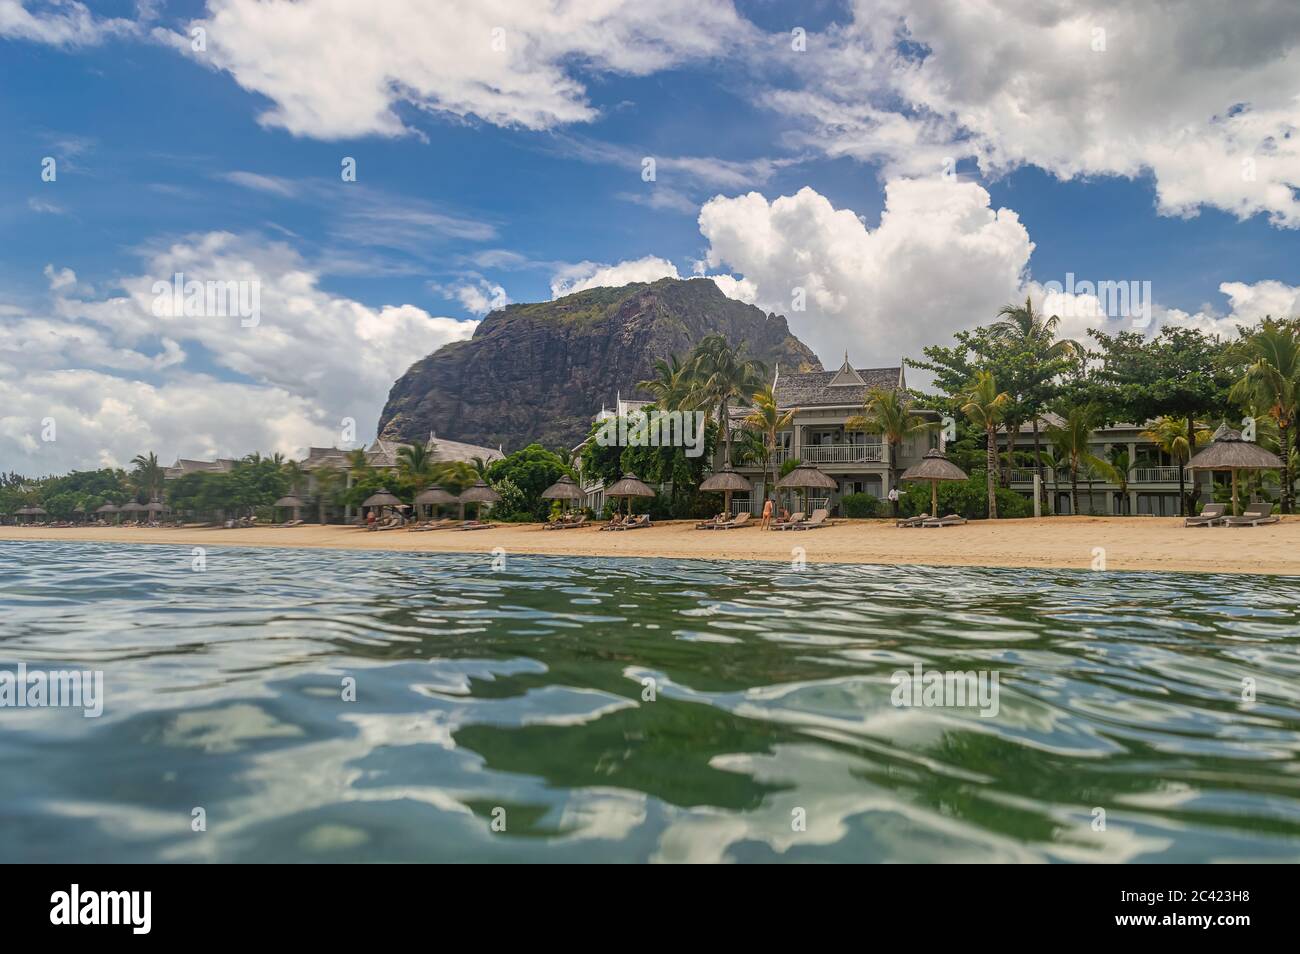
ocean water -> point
(561, 709)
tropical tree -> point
(1072, 438)
(1121, 463)
(1028, 333)
(148, 474)
(983, 404)
(414, 462)
(887, 412)
(1272, 381)
(329, 481)
(768, 421)
(719, 375)
(1177, 437)
(293, 473)
(480, 467)
(671, 385)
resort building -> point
(824, 403)
(222, 465)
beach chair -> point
(740, 520)
(475, 525)
(716, 523)
(567, 524)
(795, 518)
(818, 519)
(952, 520)
(1210, 515)
(916, 521)
(1257, 514)
(636, 523)
(615, 523)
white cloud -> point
(58, 24)
(274, 185)
(119, 373)
(1201, 95)
(583, 275)
(479, 298)
(940, 259)
(339, 69)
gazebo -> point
(132, 507)
(630, 486)
(108, 509)
(934, 467)
(381, 498)
(806, 477)
(1227, 451)
(480, 494)
(726, 482)
(563, 489)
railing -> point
(1155, 475)
(842, 454)
(1020, 476)
(741, 506)
(815, 503)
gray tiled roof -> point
(813, 388)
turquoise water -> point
(516, 698)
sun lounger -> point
(636, 523)
(1257, 514)
(1208, 517)
(795, 518)
(739, 521)
(615, 523)
(818, 519)
(916, 521)
(475, 525)
(717, 523)
(566, 524)
(952, 520)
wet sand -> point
(1136, 544)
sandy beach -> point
(1155, 544)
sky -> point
(374, 178)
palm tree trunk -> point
(992, 464)
(1182, 490)
(1038, 464)
(1284, 445)
(726, 432)
(1074, 486)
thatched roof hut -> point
(1228, 451)
(480, 493)
(934, 467)
(381, 498)
(434, 496)
(630, 486)
(726, 482)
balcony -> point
(1155, 475)
(843, 454)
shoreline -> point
(1154, 544)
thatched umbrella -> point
(289, 500)
(108, 508)
(132, 507)
(727, 482)
(434, 497)
(805, 477)
(480, 493)
(1227, 451)
(381, 498)
(563, 489)
(630, 486)
(934, 467)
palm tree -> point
(984, 405)
(480, 467)
(671, 385)
(293, 473)
(328, 481)
(885, 412)
(1071, 438)
(769, 421)
(1272, 381)
(1121, 464)
(414, 461)
(1029, 332)
(1177, 437)
(148, 474)
(720, 374)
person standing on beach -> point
(767, 515)
(893, 500)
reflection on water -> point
(524, 691)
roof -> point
(844, 386)
(383, 452)
(222, 465)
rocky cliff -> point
(539, 372)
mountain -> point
(540, 371)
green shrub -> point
(860, 505)
(969, 498)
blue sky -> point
(488, 175)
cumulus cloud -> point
(133, 372)
(583, 275)
(506, 62)
(480, 297)
(1198, 95)
(940, 259)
